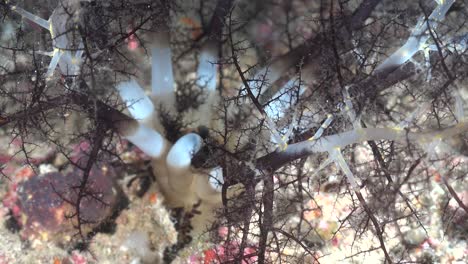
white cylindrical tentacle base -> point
(146, 139)
(138, 103)
(208, 186)
(179, 159)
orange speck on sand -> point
(153, 198)
(313, 209)
(312, 214)
(57, 260)
(59, 214)
(196, 28)
(437, 177)
(210, 256)
(317, 213)
(24, 173)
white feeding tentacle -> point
(79, 53)
(57, 54)
(459, 112)
(417, 39)
(341, 140)
(162, 77)
(179, 159)
(270, 74)
(283, 99)
(336, 155)
(148, 140)
(216, 178)
(206, 77)
(275, 135)
(56, 25)
(69, 65)
(33, 18)
(281, 141)
(350, 109)
(291, 127)
(181, 153)
(208, 186)
(207, 69)
(322, 128)
(139, 105)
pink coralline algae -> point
(77, 258)
(3, 259)
(225, 253)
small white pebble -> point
(47, 168)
